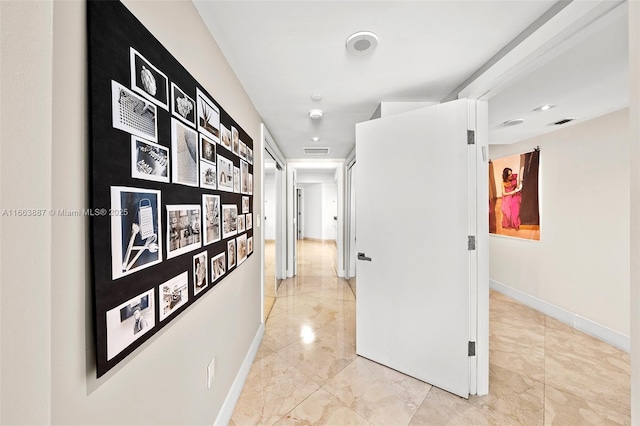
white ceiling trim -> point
(558, 34)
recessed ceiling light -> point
(512, 122)
(362, 42)
(315, 114)
(546, 107)
(315, 139)
(316, 97)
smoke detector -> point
(315, 114)
(362, 43)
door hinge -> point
(471, 244)
(472, 348)
(471, 137)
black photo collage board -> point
(171, 185)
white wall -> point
(329, 211)
(47, 357)
(581, 264)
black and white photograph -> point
(231, 253)
(249, 219)
(236, 179)
(207, 149)
(250, 184)
(244, 177)
(183, 106)
(173, 294)
(207, 175)
(229, 220)
(225, 174)
(249, 245)
(148, 80)
(235, 141)
(218, 266)
(149, 161)
(134, 235)
(249, 155)
(245, 204)
(133, 114)
(129, 321)
(243, 151)
(211, 209)
(183, 229)
(241, 248)
(225, 139)
(241, 223)
(184, 154)
(208, 116)
(200, 272)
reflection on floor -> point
(307, 372)
(269, 276)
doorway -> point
(315, 204)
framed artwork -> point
(129, 321)
(156, 172)
(244, 177)
(243, 150)
(250, 245)
(184, 154)
(211, 209)
(513, 196)
(135, 227)
(241, 243)
(229, 220)
(148, 80)
(132, 113)
(218, 266)
(200, 272)
(241, 223)
(225, 174)
(183, 229)
(208, 116)
(249, 219)
(225, 140)
(149, 161)
(245, 204)
(182, 105)
(235, 141)
(231, 253)
(249, 156)
(173, 295)
(236, 180)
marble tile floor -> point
(306, 371)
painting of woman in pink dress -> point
(511, 199)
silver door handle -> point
(362, 256)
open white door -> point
(414, 211)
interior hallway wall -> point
(269, 207)
(48, 373)
(581, 263)
(329, 211)
(312, 210)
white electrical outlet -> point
(211, 372)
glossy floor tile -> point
(306, 372)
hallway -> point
(306, 370)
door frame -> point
(269, 145)
(292, 166)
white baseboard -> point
(229, 404)
(585, 325)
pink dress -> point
(511, 205)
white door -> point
(413, 211)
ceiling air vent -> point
(316, 151)
(561, 122)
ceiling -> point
(285, 51)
